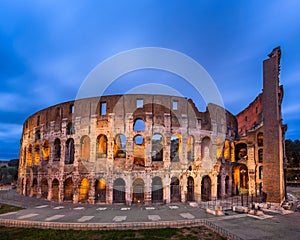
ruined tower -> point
(273, 180)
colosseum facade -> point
(142, 148)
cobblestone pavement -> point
(242, 226)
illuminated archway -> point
(83, 189)
(138, 191)
(100, 190)
(240, 178)
(55, 190)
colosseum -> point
(146, 149)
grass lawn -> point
(167, 233)
(4, 208)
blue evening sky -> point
(48, 48)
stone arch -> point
(175, 147)
(157, 190)
(260, 172)
(70, 150)
(227, 150)
(190, 148)
(120, 146)
(34, 188)
(57, 149)
(100, 190)
(24, 156)
(190, 189)
(260, 139)
(240, 178)
(175, 190)
(260, 155)
(46, 150)
(206, 148)
(139, 150)
(157, 145)
(101, 146)
(27, 187)
(85, 148)
(68, 189)
(119, 191)
(139, 125)
(138, 192)
(70, 129)
(29, 155)
(83, 190)
(36, 153)
(55, 190)
(44, 188)
(240, 151)
(206, 188)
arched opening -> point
(175, 190)
(36, 153)
(85, 148)
(27, 190)
(227, 185)
(227, 150)
(260, 172)
(83, 189)
(139, 125)
(157, 190)
(34, 187)
(101, 147)
(57, 149)
(157, 147)
(120, 146)
(22, 186)
(240, 178)
(100, 191)
(138, 191)
(176, 148)
(44, 188)
(205, 148)
(219, 187)
(240, 151)
(55, 190)
(46, 150)
(24, 156)
(206, 188)
(190, 149)
(70, 149)
(139, 151)
(260, 155)
(119, 191)
(260, 139)
(29, 155)
(190, 189)
(68, 189)
(70, 129)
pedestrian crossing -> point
(84, 214)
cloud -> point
(10, 132)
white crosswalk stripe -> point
(173, 207)
(125, 209)
(59, 207)
(187, 215)
(150, 208)
(154, 217)
(101, 208)
(119, 218)
(28, 215)
(55, 217)
(85, 218)
(42, 206)
(79, 208)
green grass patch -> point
(7, 233)
(4, 208)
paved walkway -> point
(242, 226)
